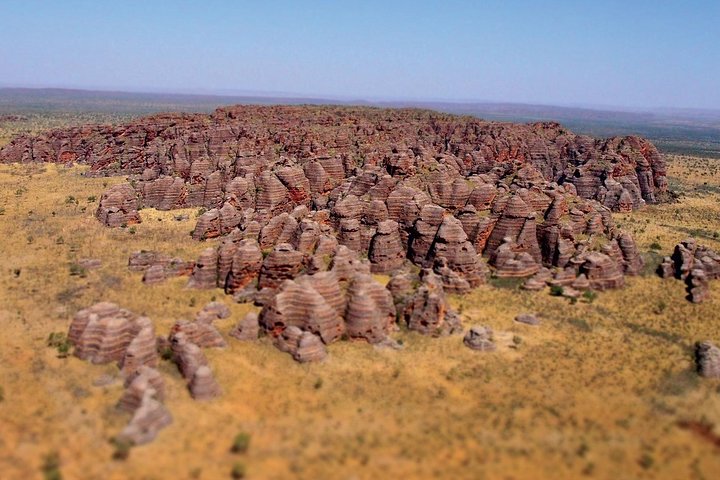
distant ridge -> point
(694, 131)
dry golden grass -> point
(598, 390)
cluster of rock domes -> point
(275, 156)
(695, 264)
(106, 333)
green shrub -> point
(241, 443)
(238, 471)
(77, 270)
(589, 296)
(655, 246)
(122, 448)
(51, 467)
(556, 291)
(59, 341)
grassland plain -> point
(602, 389)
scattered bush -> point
(59, 341)
(132, 230)
(77, 270)
(556, 291)
(51, 467)
(589, 296)
(238, 471)
(655, 246)
(318, 384)
(241, 443)
(122, 448)
(2, 394)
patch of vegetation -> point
(51, 466)
(238, 471)
(668, 337)
(77, 270)
(556, 290)
(241, 443)
(507, 283)
(59, 341)
(581, 324)
(121, 448)
(679, 382)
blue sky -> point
(632, 53)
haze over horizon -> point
(641, 55)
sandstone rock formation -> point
(696, 264)
(149, 418)
(119, 206)
(248, 328)
(480, 338)
(707, 359)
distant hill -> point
(685, 131)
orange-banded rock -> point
(346, 263)
(102, 333)
(707, 359)
(300, 305)
(632, 261)
(697, 286)
(211, 312)
(279, 229)
(188, 356)
(142, 260)
(451, 244)
(363, 318)
(248, 328)
(164, 193)
(205, 271)
(328, 286)
(202, 334)
(203, 385)
(428, 311)
(225, 254)
(350, 234)
(402, 287)
(119, 206)
(386, 251)
(141, 351)
(154, 274)
(246, 264)
(602, 272)
(287, 341)
(480, 338)
(149, 418)
(517, 221)
(145, 378)
(511, 262)
(425, 231)
(310, 349)
(272, 195)
(282, 263)
(83, 317)
(538, 281)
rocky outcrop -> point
(119, 206)
(248, 328)
(480, 338)
(103, 332)
(707, 359)
(144, 379)
(149, 418)
(203, 385)
(426, 309)
(696, 264)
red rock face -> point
(394, 185)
